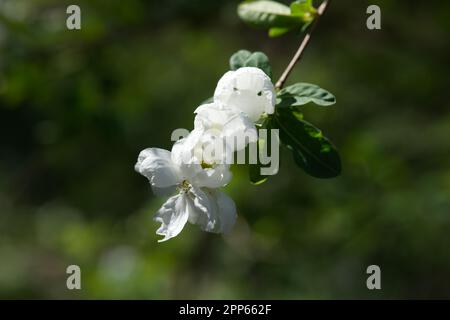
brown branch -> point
(320, 11)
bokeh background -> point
(76, 107)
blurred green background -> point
(76, 107)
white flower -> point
(200, 158)
(247, 89)
(197, 200)
(233, 127)
(212, 210)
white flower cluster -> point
(195, 175)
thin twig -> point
(323, 6)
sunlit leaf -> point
(277, 17)
(302, 93)
(269, 14)
(277, 32)
(313, 152)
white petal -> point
(234, 126)
(227, 211)
(247, 89)
(211, 115)
(204, 214)
(216, 212)
(241, 131)
(173, 215)
(156, 164)
(195, 163)
(184, 157)
(216, 177)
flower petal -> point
(203, 215)
(248, 89)
(216, 177)
(234, 126)
(173, 215)
(184, 157)
(227, 211)
(215, 211)
(156, 164)
(211, 115)
(198, 166)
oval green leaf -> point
(302, 93)
(313, 152)
(245, 58)
(269, 14)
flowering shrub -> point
(245, 103)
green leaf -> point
(244, 58)
(269, 14)
(302, 93)
(304, 9)
(313, 152)
(277, 32)
(255, 169)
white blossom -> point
(201, 159)
(247, 89)
(198, 164)
(197, 200)
(231, 125)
